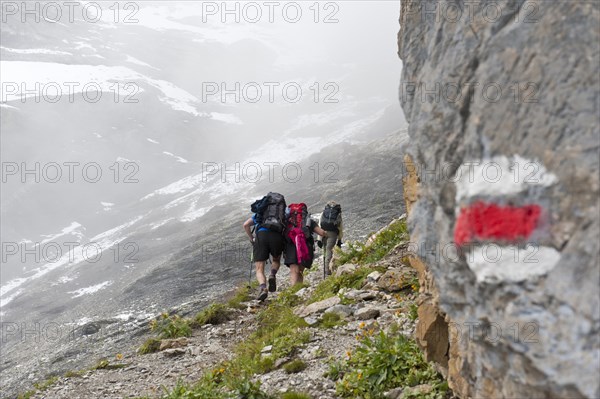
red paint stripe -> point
(488, 221)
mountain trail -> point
(361, 302)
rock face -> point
(501, 182)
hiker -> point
(331, 222)
(299, 242)
(268, 225)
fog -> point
(101, 107)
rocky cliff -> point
(501, 182)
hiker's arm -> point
(320, 231)
(247, 227)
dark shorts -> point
(268, 243)
(291, 257)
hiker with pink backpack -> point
(299, 242)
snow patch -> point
(107, 205)
(134, 60)
(8, 299)
(30, 74)
(227, 118)
(34, 51)
(105, 240)
(74, 228)
(179, 159)
(89, 290)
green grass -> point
(331, 319)
(151, 345)
(330, 286)
(385, 241)
(295, 395)
(171, 326)
(383, 362)
(413, 312)
(39, 387)
(295, 366)
(242, 294)
(74, 374)
(216, 313)
(279, 327)
(105, 364)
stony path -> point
(146, 375)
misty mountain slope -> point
(149, 234)
(168, 57)
(191, 262)
(223, 244)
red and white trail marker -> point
(496, 225)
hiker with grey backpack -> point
(265, 230)
(331, 222)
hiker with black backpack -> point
(331, 222)
(299, 241)
(265, 230)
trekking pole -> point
(251, 264)
(251, 259)
(324, 271)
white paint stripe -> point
(494, 263)
(500, 176)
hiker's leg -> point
(331, 240)
(324, 241)
(260, 273)
(294, 274)
(300, 278)
(275, 264)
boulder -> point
(173, 343)
(174, 352)
(316, 307)
(396, 279)
(348, 268)
(366, 313)
(342, 310)
(374, 276)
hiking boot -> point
(262, 294)
(272, 283)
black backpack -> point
(331, 217)
(270, 212)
